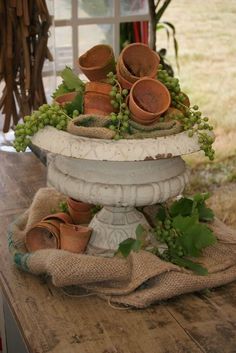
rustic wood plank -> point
(53, 322)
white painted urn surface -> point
(118, 175)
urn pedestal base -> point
(111, 226)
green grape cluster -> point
(52, 115)
(165, 233)
(191, 119)
(120, 118)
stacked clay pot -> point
(80, 212)
(61, 230)
(148, 100)
(97, 99)
(136, 60)
(97, 62)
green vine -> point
(52, 115)
(181, 227)
(120, 118)
(191, 119)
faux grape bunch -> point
(52, 115)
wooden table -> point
(50, 321)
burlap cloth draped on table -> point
(139, 280)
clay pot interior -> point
(97, 62)
(74, 238)
(65, 98)
(42, 236)
(138, 60)
(151, 96)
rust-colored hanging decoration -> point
(24, 26)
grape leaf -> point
(194, 235)
(71, 80)
(61, 89)
(196, 267)
(161, 214)
(181, 207)
(126, 246)
(205, 213)
(76, 104)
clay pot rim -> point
(141, 80)
(58, 216)
(68, 94)
(103, 87)
(91, 68)
(155, 55)
(143, 122)
(43, 225)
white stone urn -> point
(119, 175)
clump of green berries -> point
(165, 233)
(52, 115)
(119, 118)
(191, 119)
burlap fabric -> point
(138, 281)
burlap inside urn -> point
(138, 281)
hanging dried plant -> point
(24, 26)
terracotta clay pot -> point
(74, 238)
(42, 236)
(97, 62)
(80, 212)
(57, 218)
(79, 205)
(143, 121)
(186, 99)
(97, 99)
(65, 98)
(137, 60)
(122, 81)
(148, 99)
(171, 113)
(61, 216)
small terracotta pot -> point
(74, 238)
(61, 216)
(123, 82)
(79, 205)
(172, 112)
(138, 60)
(65, 98)
(80, 212)
(143, 121)
(98, 87)
(97, 99)
(42, 236)
(97, 62)
(148, 99)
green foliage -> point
(71, 82)
(75, 106)
(119, 118)
(52, 115)
(63, 207)
(130, 244)
(191, 118)
(179, 227)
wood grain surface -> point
(51, 321)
